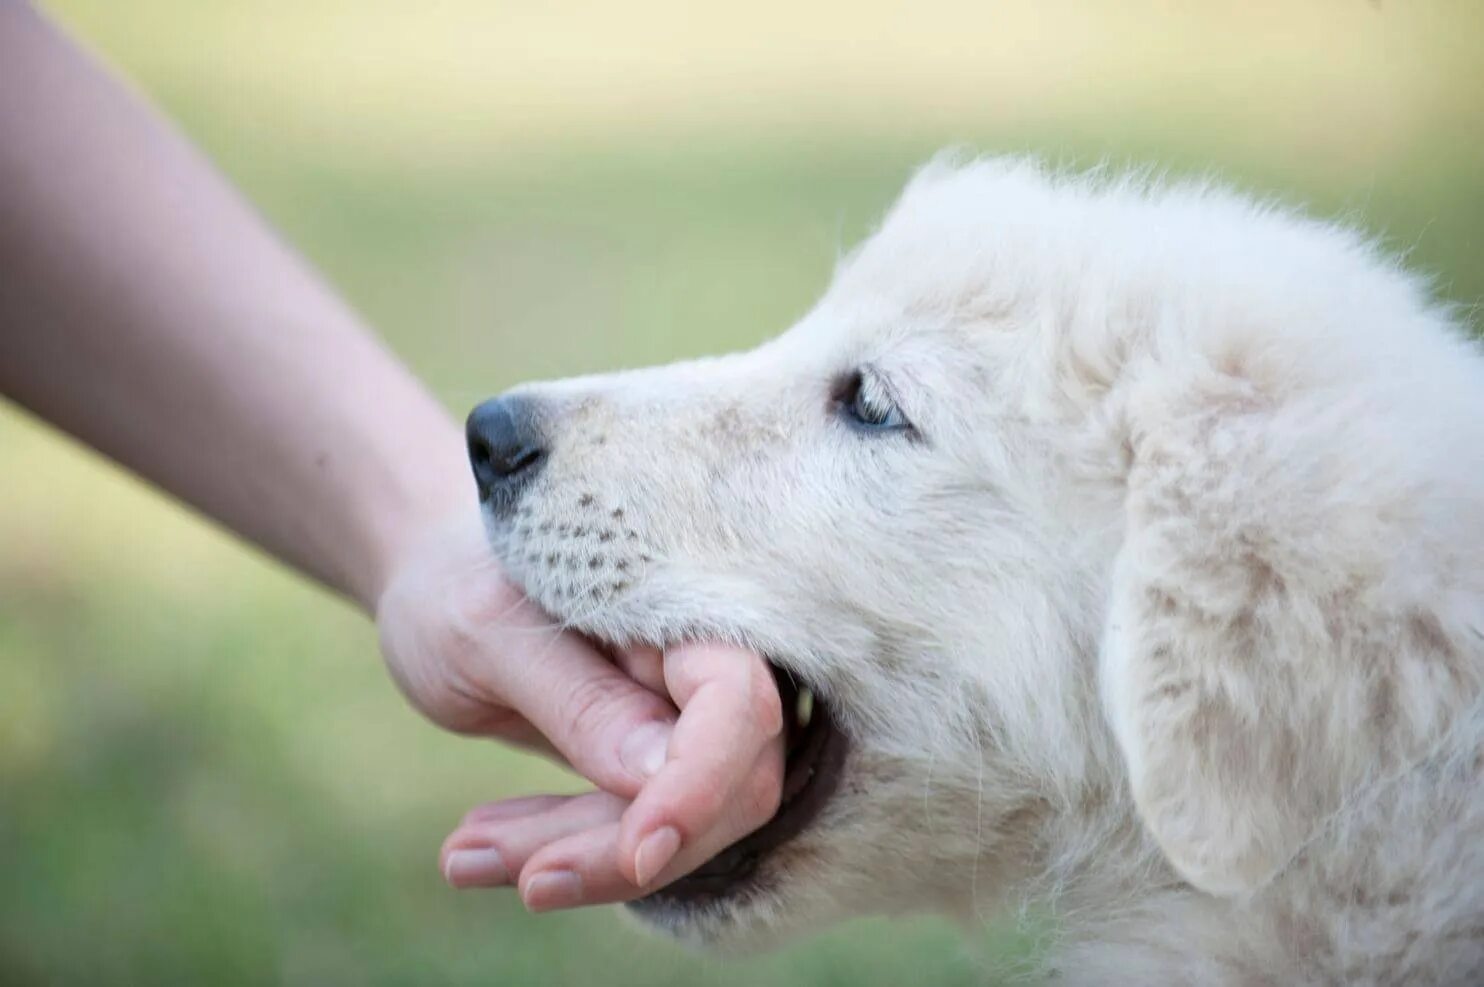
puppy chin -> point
(781, 905)
(723, 927)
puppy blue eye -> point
(867, 404)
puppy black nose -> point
(506, 449)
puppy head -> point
(912, 503)
(854, 501)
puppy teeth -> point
(804, 707)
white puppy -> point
(1129, 542)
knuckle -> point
(590, 704)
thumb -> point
(611, 729)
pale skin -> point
(149, 312)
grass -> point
(204, 773)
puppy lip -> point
(816, 752)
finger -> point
(532, 742)
(510, 727)
(580, 869)
(583, 868)
(731, 713)
(610, 728)
(489, 851)
(511, 808)
(644, 664)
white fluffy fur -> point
(1166, 621)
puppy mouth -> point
(815, 756)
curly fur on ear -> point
(1258, 663)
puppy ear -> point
(1209, 738)
(1226, 672)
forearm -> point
(145, 309)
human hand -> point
(722, 780)
(675, 786)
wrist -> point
(405, 534)
(425, 499)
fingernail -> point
(477, 867)
(553, 889)
(643, 751)
(655, 851)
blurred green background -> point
(205, 776)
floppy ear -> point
(1209, 739)
(1224, 667)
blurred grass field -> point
(205, 776)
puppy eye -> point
(866, 403)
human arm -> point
(147, 310)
